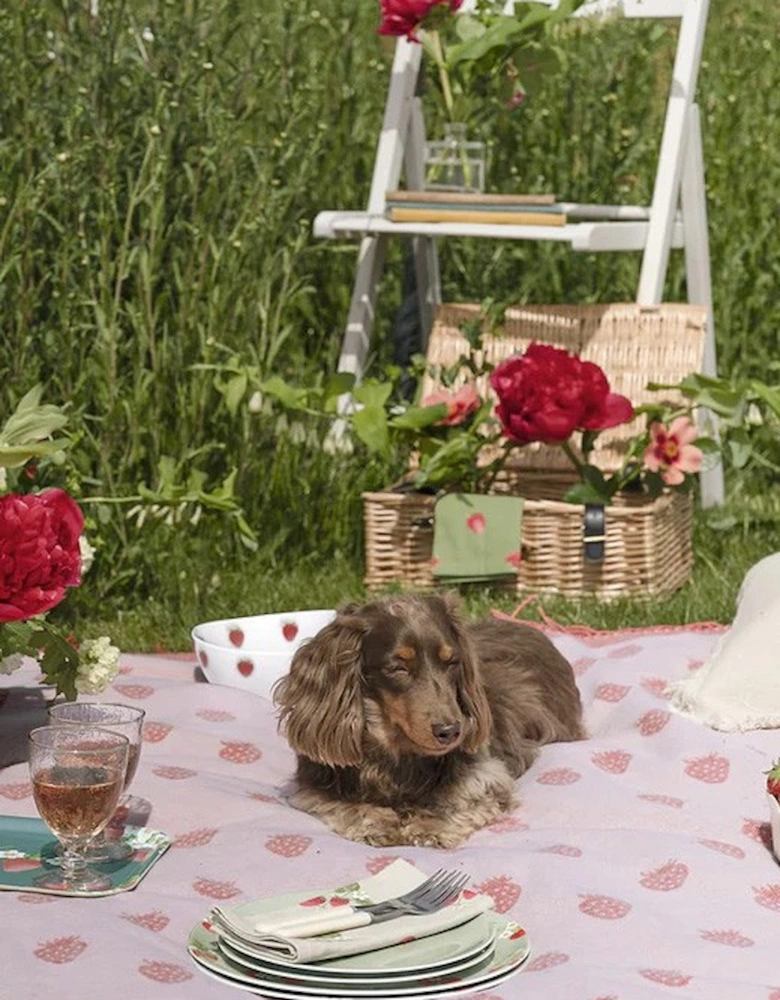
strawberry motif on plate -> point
(712, 768)
(203, 656)
(215, 889)
(236, 636)
(240, 753)
(313, 901)
(60, 950)
(195, 838)
(504, 892)
(604, 907)
(164, 972)
(245, 667)
(665, 878)
(288, 845)
(154, 920)
(613, 761)
(290, 631)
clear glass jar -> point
(455, 163)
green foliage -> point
(160, 168)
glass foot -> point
(104, 850)
(86, 881)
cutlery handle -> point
(343, 918)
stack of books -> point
(494, 209)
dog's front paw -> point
(433, 831)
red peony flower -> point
(671, 451)
(39, 552)
(460, 404)
(402, 17)
(546, 394)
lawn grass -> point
(721, 560)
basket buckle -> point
(594, 532)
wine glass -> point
(77, 775)
(126, 720)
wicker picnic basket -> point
(648, 545)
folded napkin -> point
(272, 935)
(476, 537)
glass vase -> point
(455, 163)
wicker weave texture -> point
(648, 546)
(648, 550)
(632, 344)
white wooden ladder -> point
(676, 217)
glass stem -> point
(73, 864)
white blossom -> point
(87, 554)
(10, 663)
(99, 665)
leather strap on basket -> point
(594, 531)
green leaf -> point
(235, 391)
(370, 424)
(586, 493)
(417, 417)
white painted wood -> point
(676, 217)
(699, 285)
(666, 193)
(584, 236)
(426, 257)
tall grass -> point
(160, 168)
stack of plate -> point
(474, 956)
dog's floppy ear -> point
(472, 692)
(320, 701)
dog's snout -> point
(446, 732)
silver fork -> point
(433, 894)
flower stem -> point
(437, 52)
(569, 452)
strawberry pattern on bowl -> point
(253, 652)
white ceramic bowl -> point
(774, 819)
(254, 652)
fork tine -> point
(447, 890)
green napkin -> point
(476, 537)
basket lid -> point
(632, 344)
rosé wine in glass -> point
(124, 719)
(77, 773)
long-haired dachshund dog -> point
(411, 726)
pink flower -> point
(39, 552)
(403, 17)
(460, 404)
(671, 451)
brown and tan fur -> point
(411, 726)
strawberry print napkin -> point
(476, 537)
(253, 933)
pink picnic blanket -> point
(638, 862)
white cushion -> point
(738, 687)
